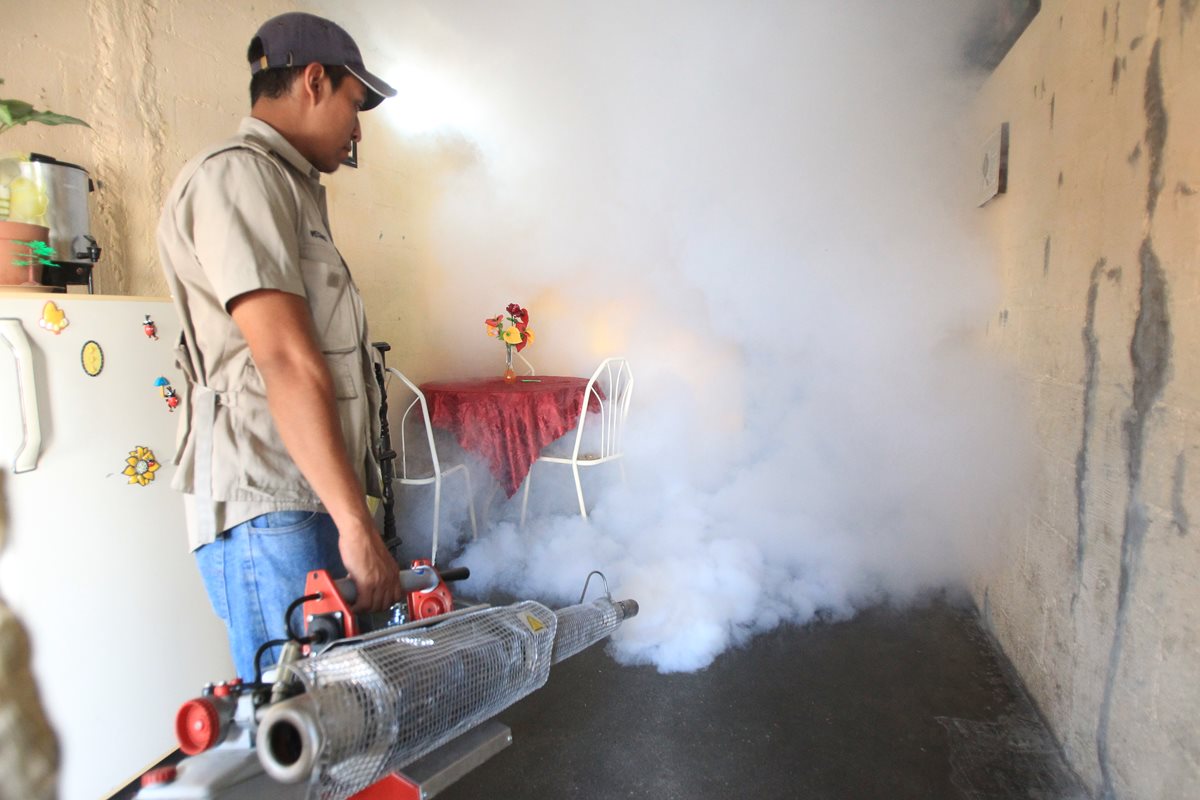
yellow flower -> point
(141, 465)
(512, 336)
(529, 336)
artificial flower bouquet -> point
(511, 328)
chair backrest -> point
(421, 419)
(526, 362)
(611, 386)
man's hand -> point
(376, 575)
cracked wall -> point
(156, 80)
(1095, 599)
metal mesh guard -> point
(385, 702)
(582, 625)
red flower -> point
(520, 316)
(526, 338)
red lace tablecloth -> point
(506, 424)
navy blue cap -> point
(297, 39)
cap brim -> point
(377, 89)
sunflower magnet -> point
(140, 466)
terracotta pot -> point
(12, 234)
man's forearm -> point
(300, 396)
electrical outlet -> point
(994, 172)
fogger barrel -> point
(375, 705)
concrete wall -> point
(1096, 598)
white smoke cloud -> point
(768, 207)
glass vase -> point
(510, 375)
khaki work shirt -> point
(250, 214)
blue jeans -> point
(254, 570)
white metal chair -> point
(437, 471)
(611, 386)
(526, 362)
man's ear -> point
(312, 82)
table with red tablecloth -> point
(507, 424)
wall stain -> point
(1189, 8)
(1185, 189)
(1091, 380)
(1046, 257)
(1104, 24)
(1117, 23)
(1116, 75)
(1134, 42)
(1135, 155)
(1179, 515)
(1150, 352)
(1060, 179)
(1052, 112)
(1156, 126)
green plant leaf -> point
(50, 118)
(18, 112)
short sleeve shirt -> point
(250, 214)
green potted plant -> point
(24, 241)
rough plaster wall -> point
(156, 79)
(1096, 597)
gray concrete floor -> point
(916, 703)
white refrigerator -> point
(95, 562)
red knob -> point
(159, 775)
(197, 726)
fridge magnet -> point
(168, 393)
(140, 466)
(149, 328)
(54, 319)
(92, 357)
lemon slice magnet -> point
(92, 358)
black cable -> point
(287, 615)
(258, 656)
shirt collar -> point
(274, 140)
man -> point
(276, 450)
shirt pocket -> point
(329, 289)
(342, 369)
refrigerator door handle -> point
(26, 458)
